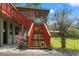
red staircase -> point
(12, 13)
(38, 35)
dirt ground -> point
(11, 50)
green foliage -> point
(49, 27)
(33, 5)
(73, 32)
(16, 4)
(23, 46)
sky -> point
(53, 6)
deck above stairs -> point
(38, 35)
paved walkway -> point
(12, 51)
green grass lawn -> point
(70, 43)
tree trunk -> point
(63, 42)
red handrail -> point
(30, 35)
(10, 12)
(47, 35)
(14, 14)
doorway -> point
(5, 33)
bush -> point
(23, 46)
(73, 33)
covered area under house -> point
(23, 26)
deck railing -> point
(8, 10)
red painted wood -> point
(30, 36)
(46, 35)
(15, 15)
(18, 17)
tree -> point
(33, 5)
(77, 20)
(63, 21)
(16, 4)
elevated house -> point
(28, 23)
